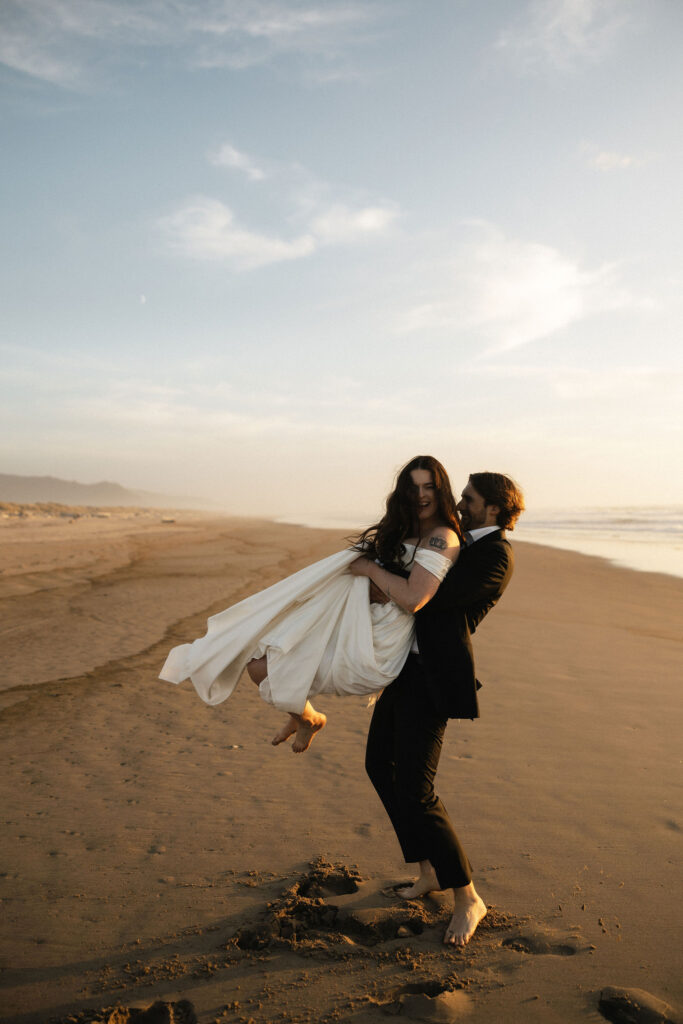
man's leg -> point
(404, 746)
(424, 823)
(379, 751)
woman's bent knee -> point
(257, 669)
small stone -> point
(635, 1006)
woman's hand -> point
(361, 566)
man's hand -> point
(360, 566)
(377, 596)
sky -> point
(263, 252)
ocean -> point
(648, 539)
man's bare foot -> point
(306, 730)
(427, 882)
(469, 910)
(287, 730)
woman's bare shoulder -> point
(441, 538)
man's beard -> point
(470, 522)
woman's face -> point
(424, 493)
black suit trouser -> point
(403, 750)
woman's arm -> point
(419, 588)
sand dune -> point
(156, 849)
(14, 488)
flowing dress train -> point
(318, 629)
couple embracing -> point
(396, 620)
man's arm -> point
(481, 578)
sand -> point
(153, 848)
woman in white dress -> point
(326, 629)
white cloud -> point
(21, 52)
(340, 224)
(509, 292)
(608, 160)
(573, 383)
(54, 40)
(205, 229)
(616, 382)
(256, 29)
(117, 403)
(228, 156)
(564, 33)
(58, 40)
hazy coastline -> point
(646, 539)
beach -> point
(155, 848)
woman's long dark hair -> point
(385, 539)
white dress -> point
(318, 629)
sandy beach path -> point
(145, 835)
(74, 596)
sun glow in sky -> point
(265, 251)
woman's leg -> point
(310, 722)
(258, 669)
(305, 725)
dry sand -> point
(154, 848)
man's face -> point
(474, 512)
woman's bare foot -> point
(427, 882)
(310, 723)
(287, 730)
(469, 910)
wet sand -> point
(154, 848)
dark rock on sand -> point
(635, 1006)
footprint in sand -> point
(160, 1012)
(328, 880)
(544, 942)
(331, 908)
(444, 1008)
(372, 925)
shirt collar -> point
(475, 535)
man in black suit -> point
(438, 682)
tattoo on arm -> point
(438, 542)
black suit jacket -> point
(444, 626)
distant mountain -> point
(28, 489)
